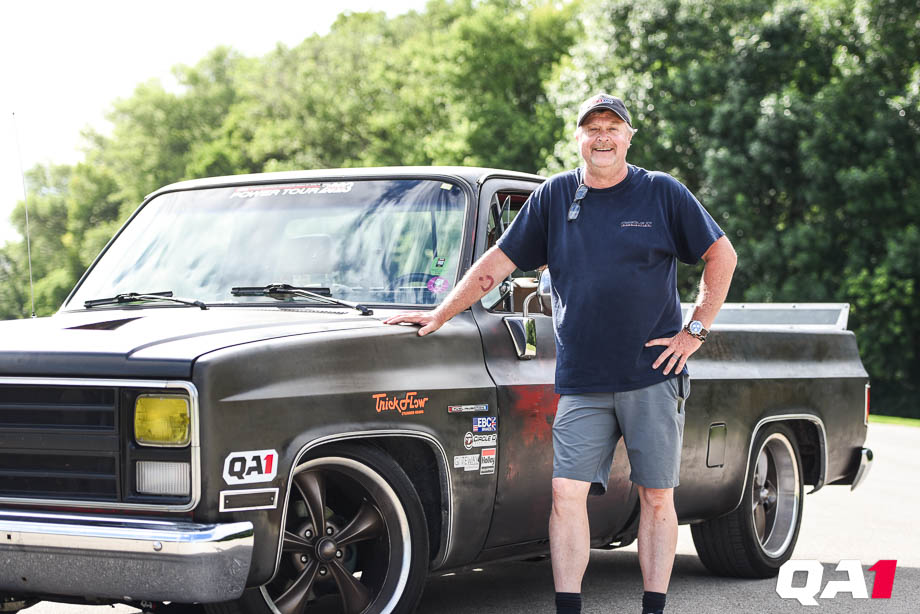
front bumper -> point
(122, 558)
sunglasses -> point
(575, 209)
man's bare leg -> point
(569, 535)
(657, 537)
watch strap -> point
(700, 335)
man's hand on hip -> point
(679, 348)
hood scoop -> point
(107, 325)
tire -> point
(378, 567)
(755, 539)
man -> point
(611, 233)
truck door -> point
(526, 400)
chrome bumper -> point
(865, 463)
(123, 558)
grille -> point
(59, 442)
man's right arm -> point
(485, 274)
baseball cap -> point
(603, 101)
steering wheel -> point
(409, 278)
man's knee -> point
(657, 498)
(569, 493)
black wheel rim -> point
(346, 542)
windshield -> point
(376, 241)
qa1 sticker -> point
(250, 467)
(438, 285)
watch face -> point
(696, 327)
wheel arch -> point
(732, 544)
(413, 451)
(811, 437)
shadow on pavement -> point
(613, 583)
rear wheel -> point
(355, 541)
(759, 536)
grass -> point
(894, 420)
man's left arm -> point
(720, 261)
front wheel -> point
(355, 541)
(759, 536)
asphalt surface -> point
(878, 521)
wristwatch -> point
(695, 329)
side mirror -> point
(523, 329)
(544, 293)
(545, 290)
(524, 334)
(546, 285)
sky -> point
(63, 62)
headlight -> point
(161, 421)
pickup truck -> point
(217, 414)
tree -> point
(440, 87)
(797, 125)
(53, 260)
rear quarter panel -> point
(742, 378)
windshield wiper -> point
(283, 291)
(136, 297)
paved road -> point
(878, 521)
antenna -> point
(25, 197)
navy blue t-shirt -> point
(614, 272)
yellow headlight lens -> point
(161, 421)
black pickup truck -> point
(218, 415)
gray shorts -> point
(650, 420)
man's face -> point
(603, 139)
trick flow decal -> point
(250, 467)
(409, 405)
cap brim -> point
(602, 107)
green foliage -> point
(14, 295)
(461, 83)
(54, 266)
(912, 422)
(797, 124)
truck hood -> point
(160, 342)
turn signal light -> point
(158, 478)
